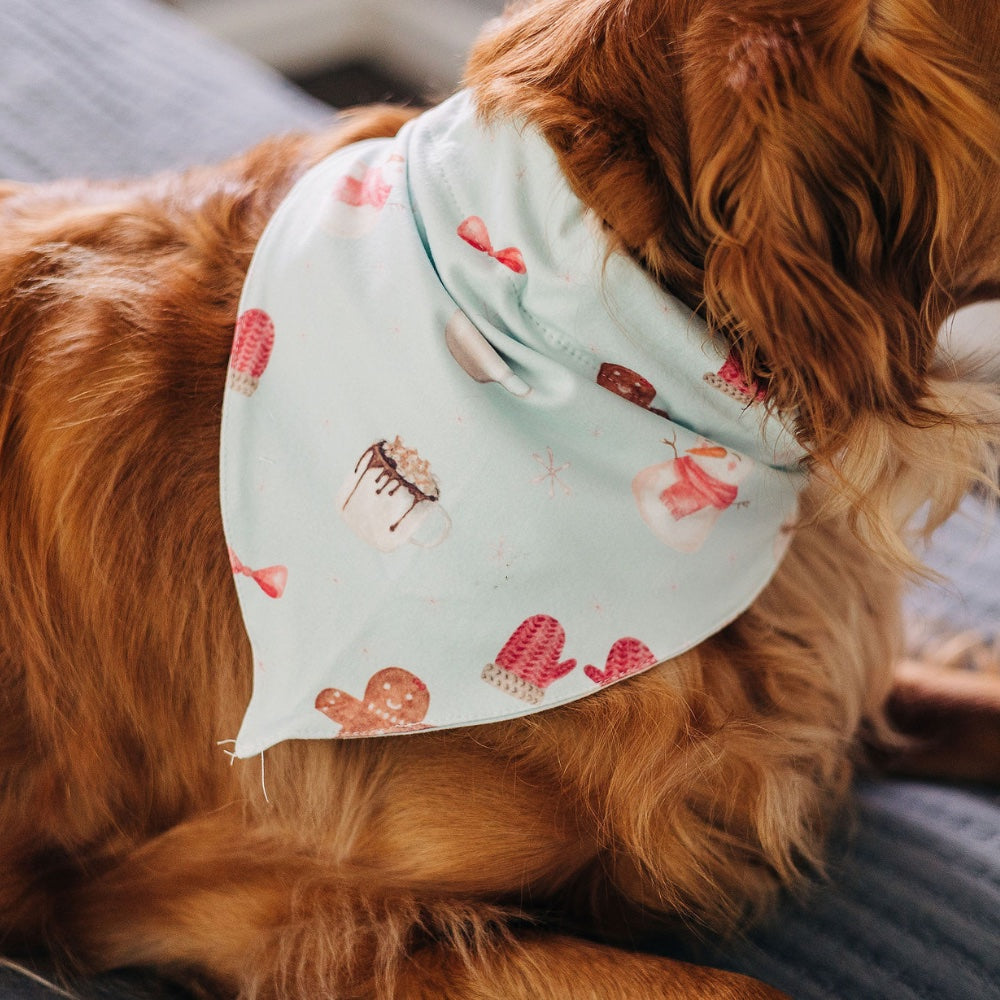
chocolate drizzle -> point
(388, 479)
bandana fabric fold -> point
(488, 468)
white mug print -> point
(477, 357)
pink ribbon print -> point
(271, 579)
(372, 189)
(473, 230)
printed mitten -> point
(529, 660)
(252, 347)
(627, 656)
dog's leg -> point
(249, 915)
(542, 967)
(712, 779)
(273, 924)
(951, 721)
(401, 891)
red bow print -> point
(473, 231)
(369, 190)
(271, 580)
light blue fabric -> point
(438, 513)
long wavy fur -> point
(818, 181)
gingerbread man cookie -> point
(395, 701)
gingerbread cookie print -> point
(681, 500)
(360, 197)
(395, 701)
(630, 385)
(391, 497)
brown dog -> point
(818, 180)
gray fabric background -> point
(912, 910)
(98, 88)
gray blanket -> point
(98, 88)
(912, 910)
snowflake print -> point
(503, 553)
(551, 473)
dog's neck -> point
(693, 131)
(581, 298)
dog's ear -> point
(804, 174)
(601, 80)
(830, 148)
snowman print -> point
(682, 499)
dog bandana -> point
(473, 466)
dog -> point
(816, 183)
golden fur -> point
(818, 180)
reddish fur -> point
(388, 867)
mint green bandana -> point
(472, 466)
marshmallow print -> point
(391, 498)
